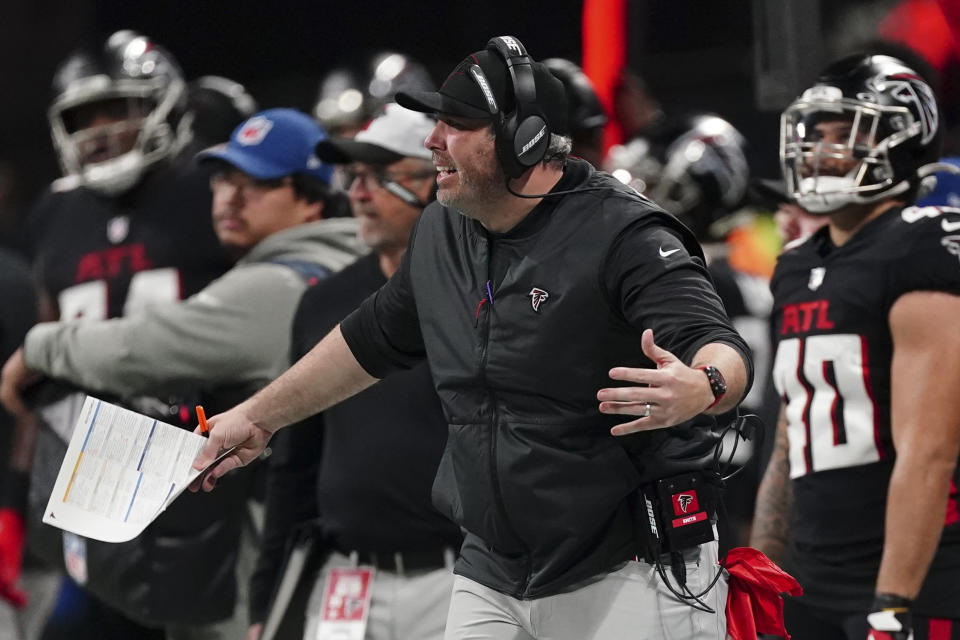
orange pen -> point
(202, 418)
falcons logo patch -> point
(685, 502)
(537, 296)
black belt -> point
(403, 561)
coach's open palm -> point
(666, 396)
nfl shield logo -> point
(117, 229)
(254, 131)
(816, 278)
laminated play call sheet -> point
(121, 470)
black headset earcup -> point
(504, 148)
(530, 141)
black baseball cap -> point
(461, 96)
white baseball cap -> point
(395, 134)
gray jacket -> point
(236, 330)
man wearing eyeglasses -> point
(272, 207)
(403, 541)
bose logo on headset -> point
(534, 140)
(513, 45)
(481, 80)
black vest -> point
(530, 469)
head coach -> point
(536, 287)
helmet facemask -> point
(838, 152)
(109, 125)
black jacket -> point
(530, 469)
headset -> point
(524, 135)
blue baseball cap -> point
(273, 144)
(946, 193)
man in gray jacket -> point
(272, 206)
(269, 198)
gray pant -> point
(403, 606)
(629, 604)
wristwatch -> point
(717, 383)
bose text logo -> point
(484, 87)
(534, 140)
(512, 44)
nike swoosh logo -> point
(665, 254)
(948, 226)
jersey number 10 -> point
(832, 417)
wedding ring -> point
(646, 411)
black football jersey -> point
(832, 370)
(99, 257)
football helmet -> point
(860, 134)
(340, 104)
(117, 113)
(694, 167)
(215, 106)
(346, 102)
(585, 113)
(391, 72)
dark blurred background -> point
(743, 59)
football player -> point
(859, 501)
(127, 226)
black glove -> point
(889, 618)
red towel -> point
(754, 604)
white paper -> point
(121, 470)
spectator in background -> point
(585, 115)
(365, 467)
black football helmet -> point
(340, 104)
(391, 72)
(862, 133)
(141, 88)
(348, 100)
(585, 114)
(215, 106)
(694, 167)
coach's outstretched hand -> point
(231, 429)
(670, 394)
